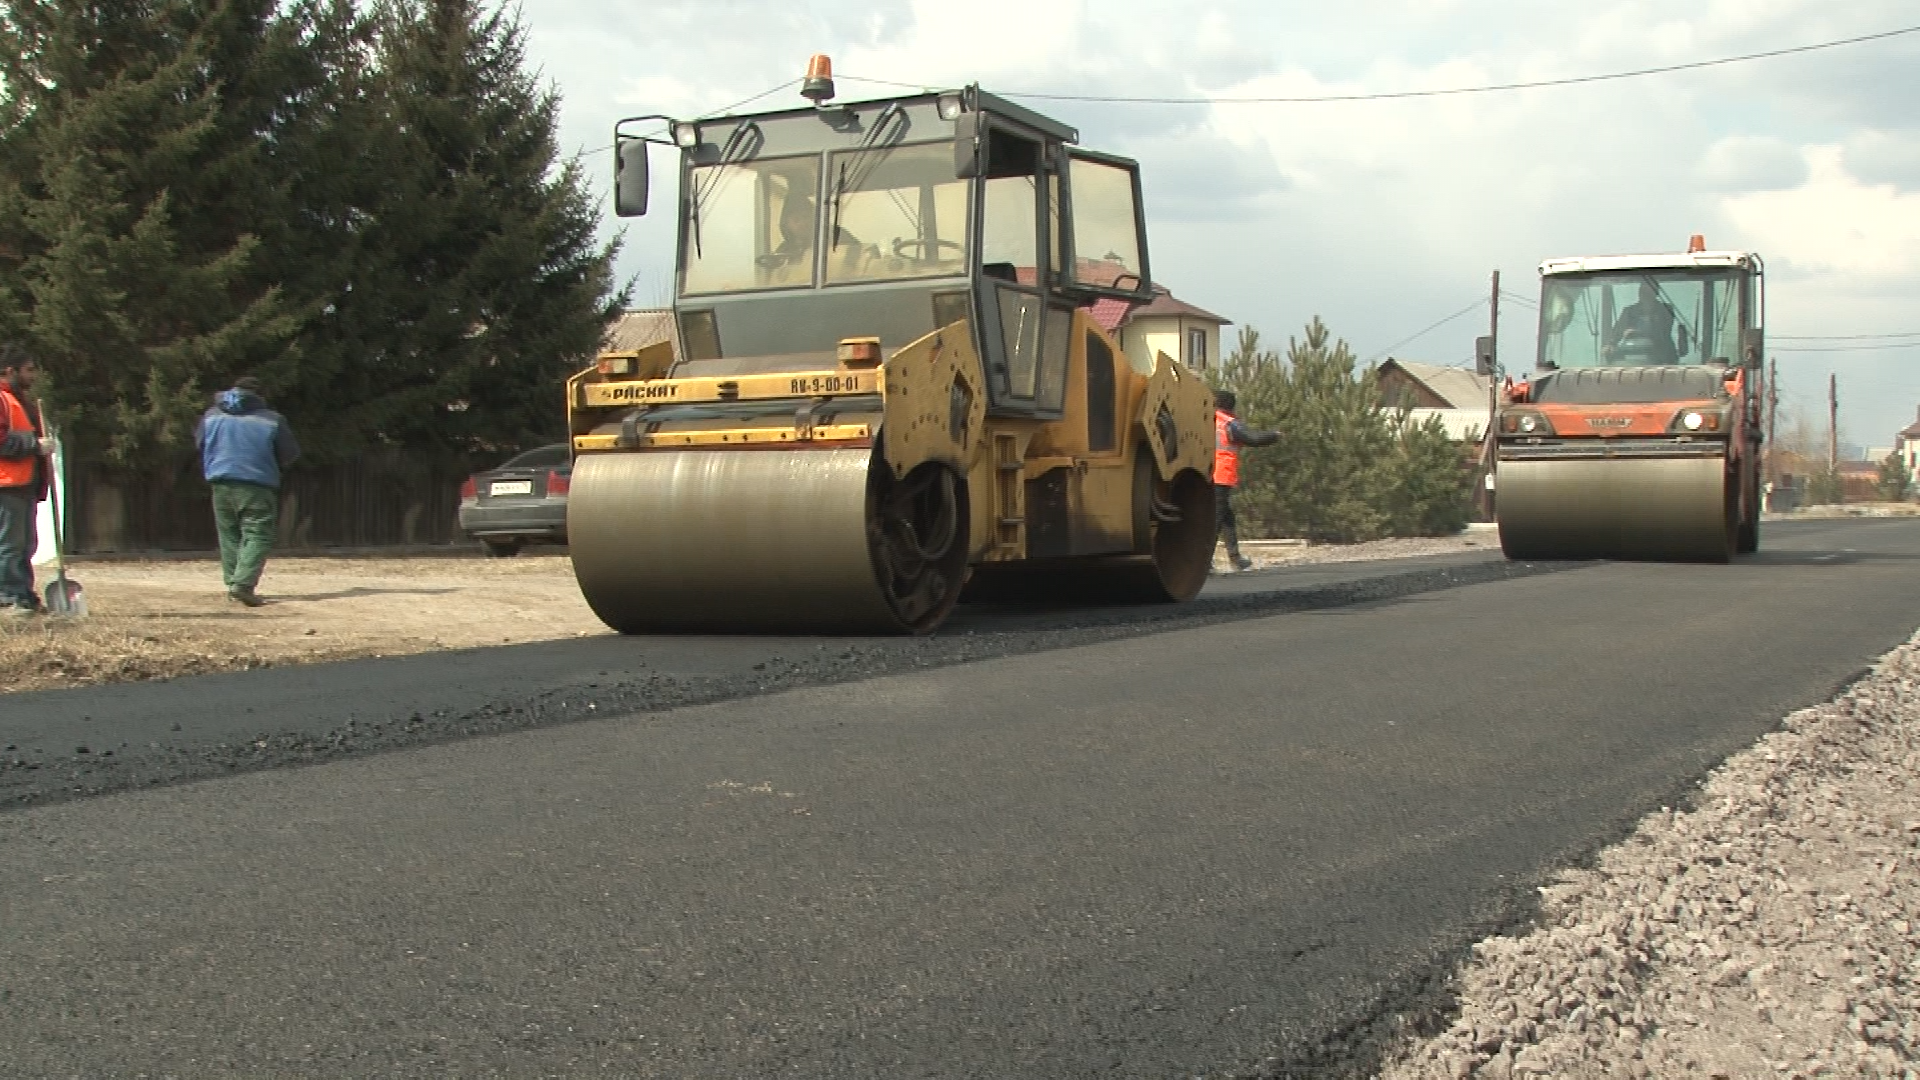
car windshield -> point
(1640, 317)
(546, 457)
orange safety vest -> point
(1226, 456)
(16, 472)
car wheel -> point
(501, 549)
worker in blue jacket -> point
(243, 446)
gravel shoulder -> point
(1770, 931)
(163, 619)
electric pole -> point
(1773, 408)
(1492, 366)
(1773, 413)
(1833, 423)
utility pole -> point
(1773, 412)
(1773, 408)
(1833, 424)
(1492, 364)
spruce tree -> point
(478, 284)
(1346, 468)
(136, 171)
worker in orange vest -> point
(1229, 435)
(23, 479)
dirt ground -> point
(164, 618)
(156, 620)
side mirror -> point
(967, 145)
(630, 178)
(1753, 346)
(1483, 362)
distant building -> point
(1167, 325)
(632, 331)
(1457, 397)
(1906, 443)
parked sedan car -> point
(522, 501)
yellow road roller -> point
(1638, 434)
(895, 379)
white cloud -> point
(1833, 223)
(1890, 157)
(1741, 163)
(1379, 216)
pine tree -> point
(1895, 478)
(1345, 468)
(478, 284)
(136, 169)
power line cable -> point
(707, 115)
(1415, 337)
(1844, 337)
(1452, 91)
(1882, 347)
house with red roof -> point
(1167, 325)
(1906, 443)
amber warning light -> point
(817, 87)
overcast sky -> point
(1384, 217)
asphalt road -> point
(65, 744)
(1227, 847)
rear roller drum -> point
(916, 528)
(1173, 550)
(1750, 517)
(1182, 540)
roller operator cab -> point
(890, 379)
(1638, 435)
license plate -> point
(510, 487)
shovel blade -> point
(65, 598)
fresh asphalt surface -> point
(1225, 843)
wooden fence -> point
(379, 499)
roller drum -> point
(1642, 508)
(759, 541)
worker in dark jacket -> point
(243, 446)
(1229, 435)
(23, 478)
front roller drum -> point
(1675, 509)
(766, 541)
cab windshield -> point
(1641, 317)
(883, 213)
(751, 225)
(896, 212)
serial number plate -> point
(829, 384)
(511, 487)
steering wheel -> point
(929, 249)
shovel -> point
(63, 596)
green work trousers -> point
(248, 518)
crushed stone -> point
(1768, 932)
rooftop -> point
(1460, 388)
(1671, 260)
(634, 330)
